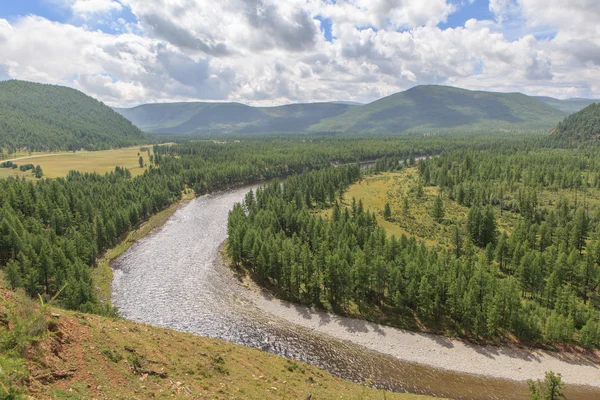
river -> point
(172, 278)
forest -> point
(53, 118)
(53, 230)
(582, 125)
(537, 281)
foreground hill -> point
(198, 118)
(569, 105)
(46, 117)
(446, 109)
(53, 353)
(583, 125)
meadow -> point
(399, 188)
(55, 165)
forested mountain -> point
(582, 125)
(568, 105)
(198, 118)
(425, 109)
(47, 117)
(421, 109)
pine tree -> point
(387, 212)
(438, 209)
(457, 241)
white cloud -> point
(383, 13)
(273, 52)
(503, 9)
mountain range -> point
(422, 109)
(47, 117)
(197, 118)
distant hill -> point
(582, 125)
(46, 117)
(421, 109)
(569, 105)
(446, 109)
(197, 118)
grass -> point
(88, 356)
(102, 273)
(56, 165)
(394, 187)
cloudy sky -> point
(268, 52)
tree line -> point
(539, 281)
(53, 230)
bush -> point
(28, 324)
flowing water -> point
(171, 279)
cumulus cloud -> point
(273, 52)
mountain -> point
(568, 105)
(196, 118)
(421, 109)
(446, 109)
(582, 125)
(47, 117)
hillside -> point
(53, 353)
(569, 105)
(46, 117)
(198, 118)
(420, 109)
(446, 109)
(583, 125)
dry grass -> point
(89, 356)
(57, 165)
(394, 187)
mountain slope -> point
(68, 355)
(583, 125)
(446, 109)
(196, 118)
(569, 105)
(46, 117)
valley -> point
(449, 265)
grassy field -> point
(395, 187)
(82, 356)
(55, 165)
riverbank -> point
(88, 356)
(502, 362)
(102, 274)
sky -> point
(271, 52)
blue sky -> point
(11, 9)
(269, 52)
(478, 9)
(59, 11)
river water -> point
(171, 278)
